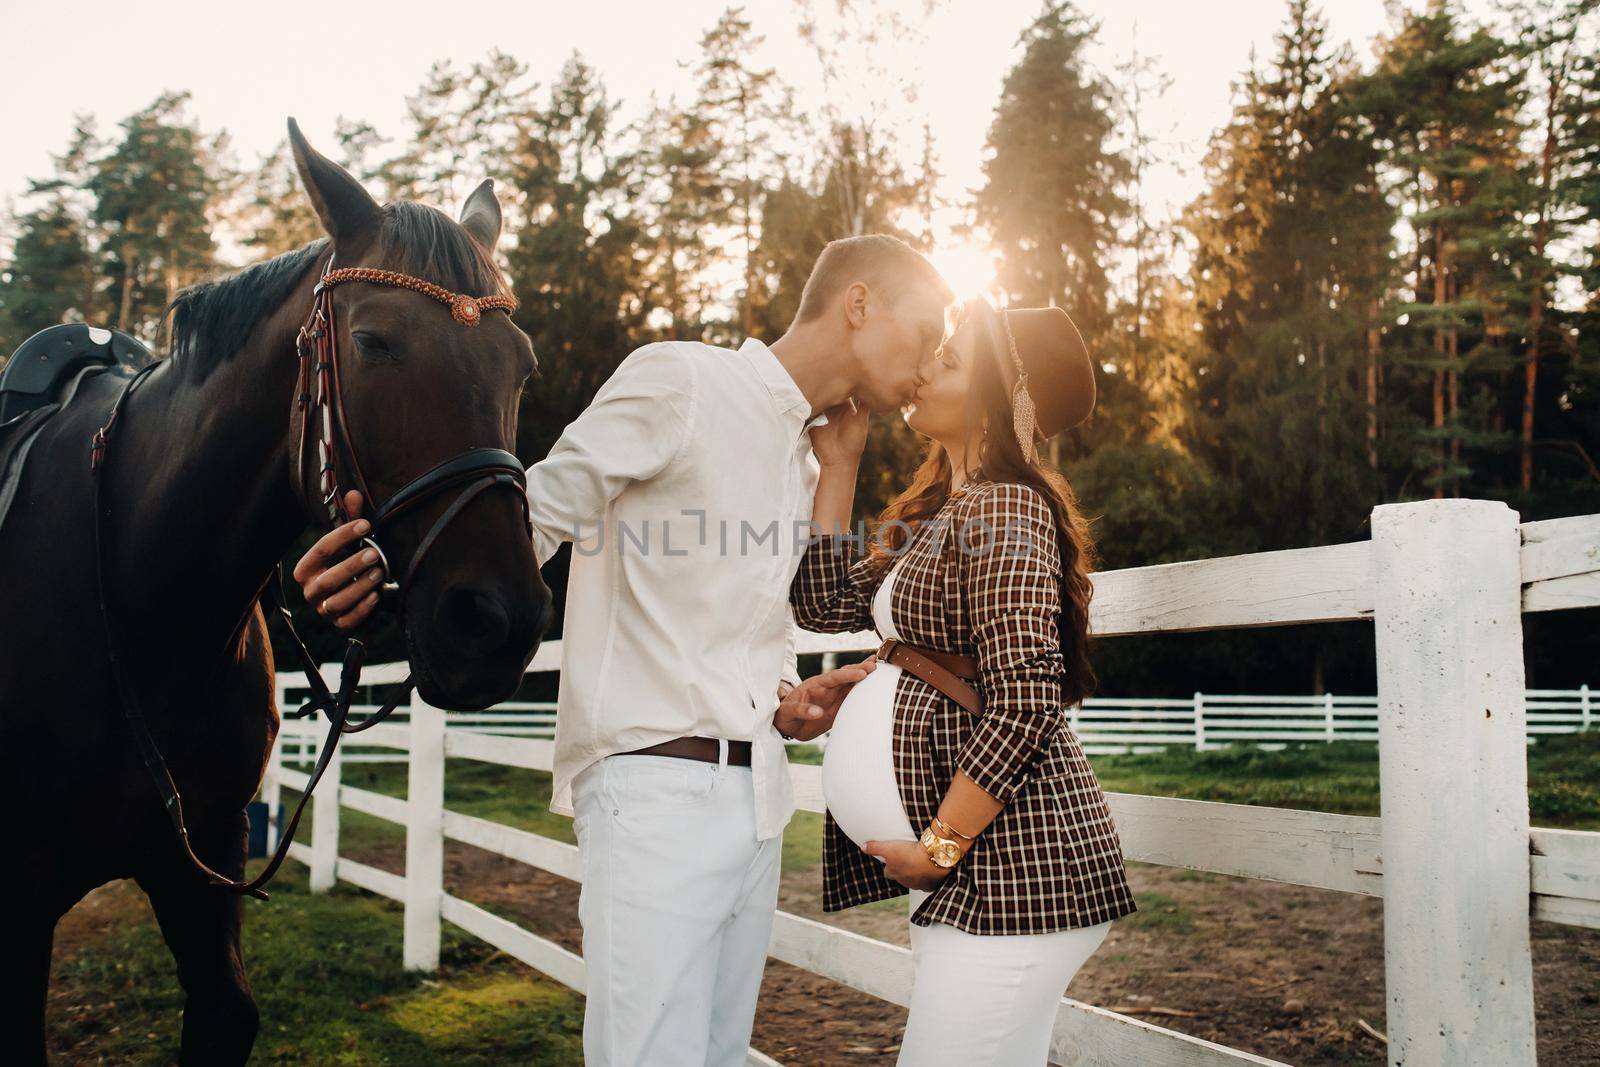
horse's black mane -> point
(213, 320)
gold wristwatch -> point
(944, 851)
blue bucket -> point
(256, 812)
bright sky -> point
(250, 67)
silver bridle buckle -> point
(389, 585)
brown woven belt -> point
(947, 672)
(704, 749)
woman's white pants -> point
(988, 999)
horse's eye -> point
(371, 343)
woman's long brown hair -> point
(1000, 459)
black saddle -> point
(49, 358)
(43, 376)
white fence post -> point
(325, 820)
(1583, 706)
(1453, 778)
(1199, 722)
(424, 837)
(1327, 714)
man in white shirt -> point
(686, 489)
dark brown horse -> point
(202, 487)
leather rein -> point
(326, 460)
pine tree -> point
(1444, 104)
(574, 261)
(1290, 263)
(794, 231)
(690, 212)
(855, 186)
(865, 187)
(1139, 83)
(359, 142)
(1556, 48)
(276, 215)
(1564, 335)
(152, 196)
(1579, 187)
(743, 106)
(1053, 195)
(854, 189)
(462, 124)
(1144, 355)
(855, 138)
(49, 274)
(52, 273)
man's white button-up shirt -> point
(686, 489)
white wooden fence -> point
(1452, 854)
(1104, 725)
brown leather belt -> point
(704, 749)
(947, 672)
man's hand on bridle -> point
(342, 590)
(809, 708)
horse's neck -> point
(203, 489)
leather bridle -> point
(332, 455)
(328, 462)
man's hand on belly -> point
(809, 708)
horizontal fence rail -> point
(866, 964)
(1452, 854)
(1104, 725)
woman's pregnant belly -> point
(858, 780)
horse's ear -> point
(346, 209)
(481, 215)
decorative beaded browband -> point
(467, 310)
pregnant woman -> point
(950, 770)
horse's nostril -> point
(472, 620)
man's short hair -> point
(890, 266)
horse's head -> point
(417, 383)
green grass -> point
(1157, 911)
(505, 795)
(1563, 788)
(327, 977)
(810, 755)
(511, 797)
(802, 842)
(1563, 777)
(1564, 780)
(326, 968)
(1340, 777)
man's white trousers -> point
(677, 905)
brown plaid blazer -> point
(980, 578)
